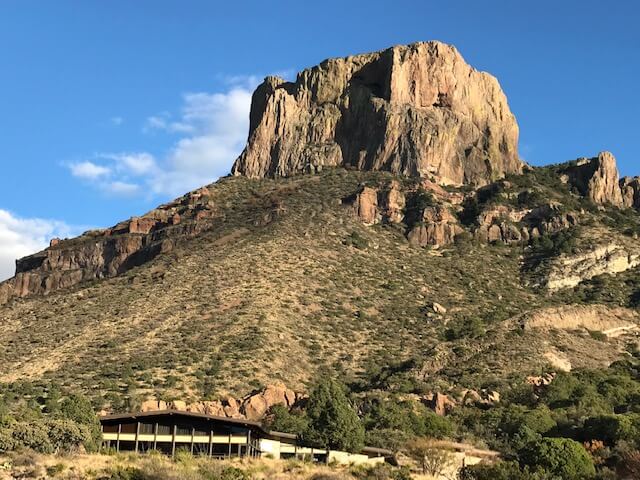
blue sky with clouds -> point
(109, 108)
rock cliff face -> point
(112, 251)
(607, 259)
(416, 110)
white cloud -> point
(121, 189)
(117, 121)
(88, 170)
(210, 132)
(23, 236)
(133, 163)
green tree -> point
(562, 457)
(280, 419)
(333, 423)
(79, 409)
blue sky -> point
(109, 108)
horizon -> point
(122, 107)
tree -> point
(562, 457)
(434, 460)
(280, 419)
(333, 423)
(80, 410)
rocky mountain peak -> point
(417, 110)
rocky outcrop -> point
(630, 188)
(502, 224)
(608, 320)
(569, 271)
(251, 407)
(438, 227)
(112, 251)
(597, 179)
(379, 205)
(416, 110)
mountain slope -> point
(291, 281)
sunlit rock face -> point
(416, 110)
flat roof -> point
(235, 421)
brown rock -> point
(153, 405)
(416, 110)
(142, 225)
(255, 406)
(597, 179)
(440, 403)
(630, 187)
(438, 227)
(366, 205)
(392, 202)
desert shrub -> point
(612, 428)
(66, 435)
(333, 423)
(562, 457)
(123, 473)
(436, 426)
(55, 470)
(432, 459)
(380, 472)
(416, 204)
(78, 409)
(387, 438)
(215, 471)
(500, 471)
(32, 435)
(357, 241)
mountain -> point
(379, 219)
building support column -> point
(118, 437)
(229, 444)
(173, 441)
(155, 436)
(210, 443)
(193, 433)
(137, 434)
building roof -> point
(235, 421)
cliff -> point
(417, 110)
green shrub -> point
(562, 457)
(124, 473)
(500, 471)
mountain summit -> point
(418, 110)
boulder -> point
(256, 405)
(438, 308)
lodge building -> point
(170, 430)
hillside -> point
(289, 278)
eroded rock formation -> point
(251, 407)
(597, 179)
(416, 110)
(612, 321)
(569, 271)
